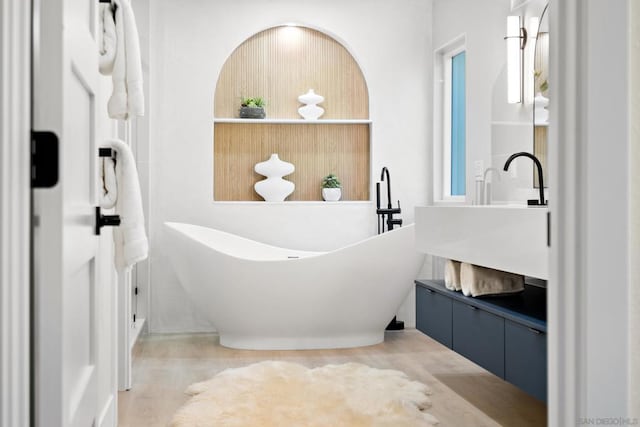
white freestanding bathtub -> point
(265, 297)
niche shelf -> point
(293, 121)
(279, 64)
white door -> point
(65, 246)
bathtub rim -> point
(307, 254)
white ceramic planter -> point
(274, 188)
(331, 194)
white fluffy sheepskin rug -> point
(286, 394)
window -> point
(450, 122)
(458, 125)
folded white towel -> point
(130, 238)
(452, 275)
(108, 48)
(127, 98)
(477, 281)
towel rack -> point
(105, 220)
(104, 1)
(107, 152)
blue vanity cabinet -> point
(506, 335)
(525, 356)
(433, 315)
(479, 336)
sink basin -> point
(505, 237)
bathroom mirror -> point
(541, 95)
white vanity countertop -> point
(505, 237)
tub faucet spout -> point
(384, 172)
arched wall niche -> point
(279, 64)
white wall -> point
(191, 41)
(495, 129)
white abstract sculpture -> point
(274, 188)
(311, 111)
(541, 114)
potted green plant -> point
(252, 108)
(331, 188)
(541, 83)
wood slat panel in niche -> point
(540, 145)
(315, 150)
(281, 63)
(540, 151)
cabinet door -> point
(433, 315)
(479, 336)
(526, 359)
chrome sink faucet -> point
(487, 184)
(533, 202)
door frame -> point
(15, 208)
(589, 284)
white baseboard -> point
(138, 326)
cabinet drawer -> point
(479, 336)
(433, 315)
(526, 359)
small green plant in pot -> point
(252, 108)
(331, 188)
(541, 84)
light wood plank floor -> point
(463, 393)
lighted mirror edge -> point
(514, 60)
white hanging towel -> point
(120, 57)
(120, 180)
(108, 47)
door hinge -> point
(134, 318)
(135, 291)
(45, 162)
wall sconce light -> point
(516, 41)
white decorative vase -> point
(274, 188)
(311, 111)
(540, 112)
(331, 194)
